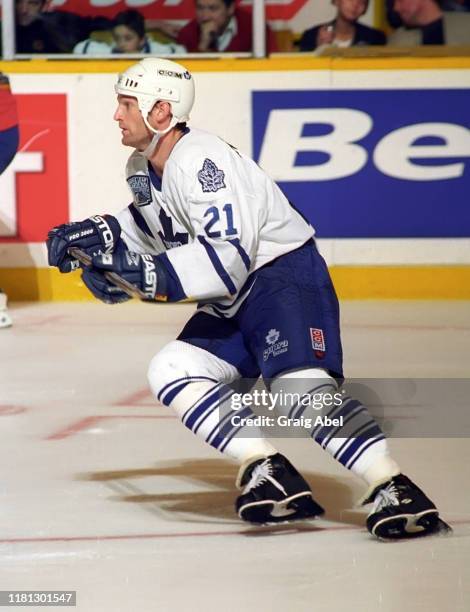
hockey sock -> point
(357, 442)
(204, 407)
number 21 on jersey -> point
(223, 221)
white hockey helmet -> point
(153, 79)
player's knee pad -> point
(181, 370)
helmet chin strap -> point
(157, 134)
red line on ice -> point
(150, 536)
(88, 422)
(198, 534)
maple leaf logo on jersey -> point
(273, 336)
(168, 235)
(210, 177)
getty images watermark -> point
(402, 408)
(262, 399)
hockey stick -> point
(112, 277)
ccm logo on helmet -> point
(177, 75)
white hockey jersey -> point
(214, 217)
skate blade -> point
(270, 512)
(408, 527)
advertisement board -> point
(370, 163)
(34, 188)
(168, 9)
(378, 161)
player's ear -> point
(161, 111)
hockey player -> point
(8, 146)
(208, 224)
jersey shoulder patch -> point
(140, 187)
(210, 177)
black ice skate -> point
(274, 492)
(402, 510)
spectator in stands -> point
(221, 26)
(41, 31)
(33, 33)
(129, 36)
(426, 24)
(128, 30)
(344, 30)
(393, 18)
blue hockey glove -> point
(101, 288)
(142, 271)
(98, 234)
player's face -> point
(215, 12)
(126, 39)
(351, 10)
(27, 11)
(408, 10)
(133, 129)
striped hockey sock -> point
(355, 440)
(204, 406)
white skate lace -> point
(262, 473)
(386, 497)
